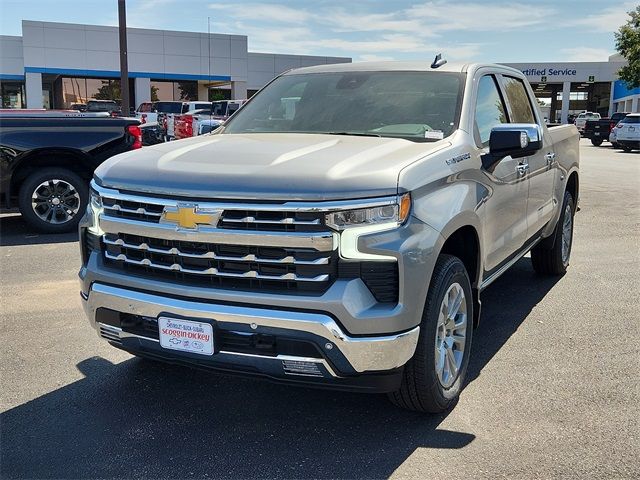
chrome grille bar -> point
(290, 259)
(140, 211)
(214, 271)
(284, 221)
(321, 241)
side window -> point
(518, 99)
(490, 109)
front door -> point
(541, 165)
(505, 212)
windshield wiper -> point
(355, 134)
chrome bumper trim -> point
(377, 353)
(322, 242)
(116, 334)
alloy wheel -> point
(55, 201)
(451, 335)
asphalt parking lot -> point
(553, 385)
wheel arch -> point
(461, 238)
(573, 187)
(75, 161)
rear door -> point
(541, 166)
(505, 221)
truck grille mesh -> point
(226, 266)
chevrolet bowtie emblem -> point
(190, 216)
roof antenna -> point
(438, 61)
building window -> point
(574, 96)
(12, 94)
(162, 91)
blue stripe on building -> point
(116, 74)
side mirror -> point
(512, 139)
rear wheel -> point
(596, 142)
(53, 200)
(554, 260)
(433, 378)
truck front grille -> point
(224, 266)
(231, 218)
(279, 247)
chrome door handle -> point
(522, 169)
(550, 157)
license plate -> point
(186, 335)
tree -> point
(154, 93)
(628, 45)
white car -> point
(581, 120)
(627, 132)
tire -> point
(52, 186)
(554, 260)
(626, 149)
(596, 142)
(423, 388)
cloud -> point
(264, 12)
(444, 16)
(608, 20)
(584, 54)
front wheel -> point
(433, 378)
(53, 200)
(554, 260)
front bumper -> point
(371, 363)
(628, 143)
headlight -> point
(96, 200)
(94, 209)
(391, 214)
(352, 224)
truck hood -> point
(274, 166)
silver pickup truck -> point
(337, 231)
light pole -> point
(124, 68)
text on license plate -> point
(186, 335)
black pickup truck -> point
(47, 161)
(598, 130)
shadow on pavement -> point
(144, 419)
(15, 231)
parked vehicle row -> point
(599, 130)
(622, 130)
(187, 119)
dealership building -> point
(55, 65)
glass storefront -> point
(12, 94)
(79, 90)
(168, 91)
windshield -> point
(169, 107)
(220, 108)
(419, 106)
(630, 119)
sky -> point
(484, 31)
